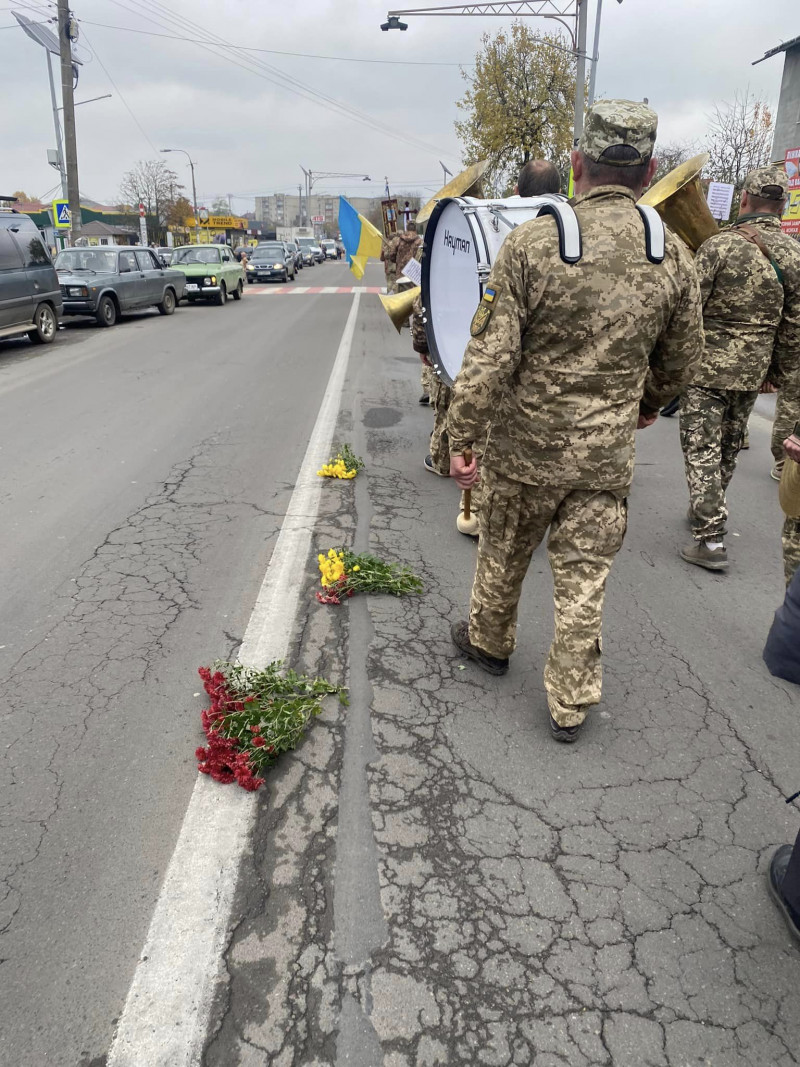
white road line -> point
(164, 1021)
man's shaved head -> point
(537, 177)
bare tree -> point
(152, 183)
(671, 155)
(739, 138)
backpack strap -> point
(751, 234)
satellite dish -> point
(37, 31)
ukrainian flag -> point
(360, 238)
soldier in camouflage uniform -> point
(787, 409)
(437, 460)
(750, 282)
(565, 361)
(389, 265)
(790, 537)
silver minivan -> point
(30, 296)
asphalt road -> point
(145, 472)
(432, 880)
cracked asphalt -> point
(431, 879)
(434, 881)
(145, 473)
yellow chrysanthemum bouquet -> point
(344, 573)
(345, 464)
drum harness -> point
(570, 246)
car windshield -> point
(268, 252)
(93, 259)
(195, 254)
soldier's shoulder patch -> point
(480, 320)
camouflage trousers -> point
(440, 443)
(587, 527)
(713, 425)
(791, 547)
(427, 379)
(787, 413)
(391, 278)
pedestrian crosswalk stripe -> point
(313, 290)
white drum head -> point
(451, 288)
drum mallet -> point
(467, 492)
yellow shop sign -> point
(219, 222)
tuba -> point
(468, 183)
(679, 200)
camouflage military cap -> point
(765, 180)
(619, 122)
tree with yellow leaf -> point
(518, 104)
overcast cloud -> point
(249, 136)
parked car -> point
(271, 260)
(310, 242)
(212, 272)
(111, 279)
(329, 248)
(294, 248)
(165, 255)
(30, 297)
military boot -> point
(713, 559)
(459, 631)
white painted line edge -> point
(165, 1017)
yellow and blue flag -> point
(360, 238)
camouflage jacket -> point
(563, 355)
(402, 247)
(751, 316)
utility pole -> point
(580, 69)
(66, 26)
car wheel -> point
(167, 305)
(237, 292)
(106, 314)
(44, 325)
(222, 295)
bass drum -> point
(462, 240)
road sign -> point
(317, 218)
(790, 222)
(61, 219)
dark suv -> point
(30, 297)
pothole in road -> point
(381, 418)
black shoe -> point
(427, 463)
(671, 407)
(777, 872)
(459, 631)
(425, 399)
(565, 734)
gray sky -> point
(248, 135)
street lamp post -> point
(569, 13)
(315, 176)
(194, 191)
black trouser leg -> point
(791, 882)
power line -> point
(211, 43)
(276, 52)
(286, 80)
(142, 130)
